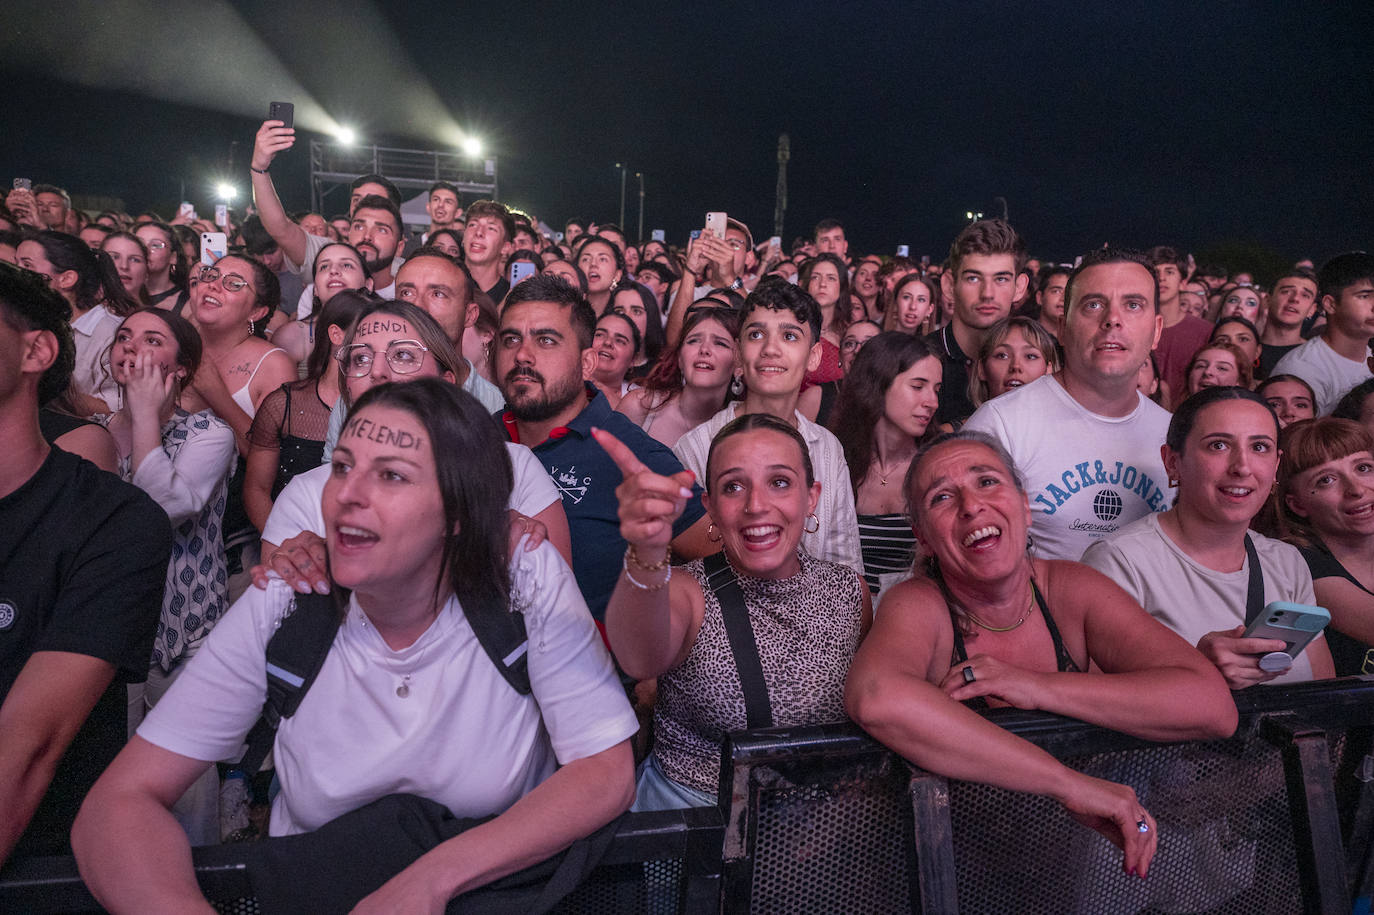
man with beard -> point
(298, 246)
(543, 354)
(375, 231)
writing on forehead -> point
(381, 326)
(364, 428)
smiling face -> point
(913, 396)
(216, 305)
(969, 512)
(143, 331)
(1336, 497)
(1228, 463)
(776, 352)
(598, 263)
(1290, 400)
(130, 261)
(708, 355)
(383, 511)
(1211, 368)
(759, 501)
(1012, 363)
(337, 268)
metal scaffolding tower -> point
(334, 166)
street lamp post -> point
(640, 236)
(623, 170)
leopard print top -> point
(807, 630)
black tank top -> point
(1062, 659)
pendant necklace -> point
(403, 689)
(1030, 602)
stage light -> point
(346, 136)
(225, 191)
(472, 146)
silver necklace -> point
(403, 688)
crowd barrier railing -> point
(1277, 818)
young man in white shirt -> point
(1335, 362)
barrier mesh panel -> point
(1225, 839)
(651, 887)
(246, 906)
(841, 848)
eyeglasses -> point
(735, 243)
(229, 281)
(404, 356)
(156, 245)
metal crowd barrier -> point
(1278, 818)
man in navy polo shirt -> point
(543, 354)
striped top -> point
(887, 544)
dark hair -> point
(584, 240)
(777, 294)
(1351, 404)
(889, 302)
(1275, 379)
(635, 337)
(367, 274)
(859, 406)
(1345, 270)
(748, 423)
(545, 287)
(1303, 273)
(1100, 256)
(141, 296)
(1032, 331)
(97, 279)
(189, 348)
(666, 375)
(1185, 417)
(378, 202)
(581, 277)
(840, 319)
(1163, 254)
(445, 186)
(392, 193)
(474, 474)
(104, 230)
(654, 339)
(431, 251)
(441, 349)
(528, 255)
(1042, 280)
(825, 225)
(987, 236)
(256, 239)
(665, 276)
(340, 311)
(1235, 319)
(178, 270)
(1306, 444)
(491, 208)
(265, 282)
(604, 227)
(27, 303)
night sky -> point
(1166, 122)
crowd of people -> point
(712, 486)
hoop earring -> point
(737, 386)
(812, 517)
(252, 329)
(712, 534)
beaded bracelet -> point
(625, 564)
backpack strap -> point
(720, 578)
(1254, 591)
(295, 654)
(501, 633)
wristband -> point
(260, 171)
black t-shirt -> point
(1270, 354)
(83, 561)
(955, 403)
(1347, 653)
(498, 292)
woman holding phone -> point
(1191, 566)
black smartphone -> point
(282, 111)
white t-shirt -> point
(94, 332)
(1329, 373)
(1087, 475)
(298, 506)
(1192, 599)
(462, 737)
(837, 537)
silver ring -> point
(968, 675)
(1141, 825)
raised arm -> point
(890, 694)
(273, 138)
(651, 626)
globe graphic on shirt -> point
(1107, 505)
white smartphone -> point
(657, 235)
(222, 214)
(715, 223)
(213, 246)
(903, 250)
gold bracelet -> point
(625, 564)
(633, 556)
